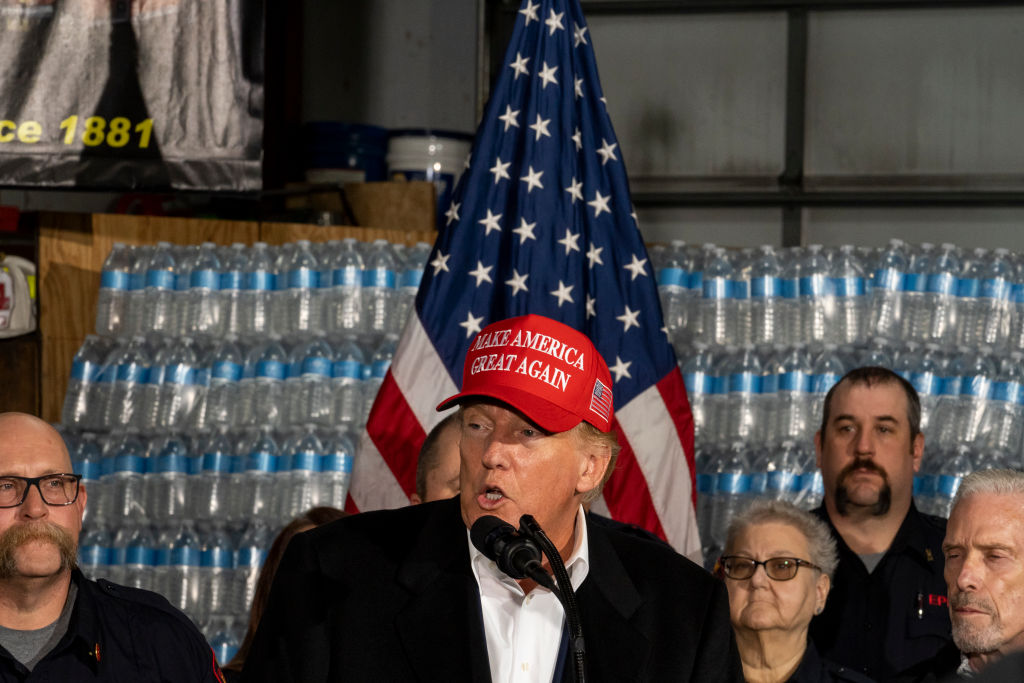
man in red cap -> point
(405, 595)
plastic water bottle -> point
(87, 460)
(408, 285)
(301, 305)
(994, 305)
(886, 291)
(335, 469)
(826, 369)
(149, 404)
(125, 463)
(172, 464)
(947, 418)
(790, 324)
(783, 472)
(1016, 338)
(1004, 417)
(256, 489)
(182, 571)
(112, 303)
(83, 409)
(308, 389)
(225, 365)
(130, 363)
(716, 403)
(740, 291)
(135, 303)
(378, 290)
(916, 317)
(347, 381)
(744, 413)
(212, 484)
(708, 463)
(159, 313)
(850, 290)
(93, 552)
(968, 299)
(765, 291)
(979, 374)
(216, 577)
(717, 309)
(817, 299)
(732, 491)
(252, 551)
(794, 386)
(179, 388)
(951, 473)
(939, 301)
(303, 451)
(698, 375)
(924, 371)
(264, 391)
(258, 293)
(139, 557)
(232, 283)
(380, 362)
(223, 638)
(203, 302)
(876, 352)
(673, 280)
(343, 306)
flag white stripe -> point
(647, 425)
(421, 375)
(374, 485)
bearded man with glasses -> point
(55, 624)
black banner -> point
(131, 94)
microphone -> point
(515, 554)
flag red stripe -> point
(626, 492)
(396, 432)
(673, 393)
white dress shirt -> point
(524, 632)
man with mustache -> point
(401, 595)
(56, 625)
(886, 616)
(984, 550)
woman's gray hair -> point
(820, 543)
(1001, 482)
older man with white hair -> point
(984, 549)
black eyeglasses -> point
(777, 568)
(55, 489)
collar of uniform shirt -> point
(578, 564)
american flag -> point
(541, 222)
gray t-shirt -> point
(871, 560)
(29, 647)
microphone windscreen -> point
(486, 530)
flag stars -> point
(607, 151)
(577, 138)
(482, 273)
(525, 230)
(554, 22)
(594, 255)
(452, 214)
(571, 241)
(519, 66)
(532, 179)
(510, 117)
(563, 293)
(530, 12)
(440, 262)
(579, 87)
(518, 282)
(621, 369)
(629, 319)
(540, 127)
(600, 203)
(490, 222)
(471, 323)
(500, 170)
(579, 35)
(547, 75)
(591, 306)
(575, 190)
(636, 267)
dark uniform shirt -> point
(121, 634)
(892, 624)
(814, 669)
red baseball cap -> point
(548, 371)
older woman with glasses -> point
(777, 566)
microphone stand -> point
(529, 527)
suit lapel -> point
(441, 628)
(608, 599)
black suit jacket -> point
(390, 596)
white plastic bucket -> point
(436, 157)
